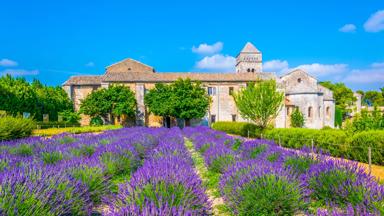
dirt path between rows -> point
(202, 171)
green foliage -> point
(15, 127)
(338, 117)
(332, 141)
(336, 142)
(359, 143)
(324, 184)
(259, 102)
(96, 121)
(367, 121)
(117, 100)
(373, 98)
(297, 119)
(56, 124)
(184, 99)
(23, 150)
(18, 96)
(257, 151)
(273, 157)
(159, 100)
(173, 194)
(299, 164)
(70, 117)
(238, 128)
(118, 164)
(342, 94)
(221, 163)
(270, 195)
(51, 157)
(94, 179)
(237, 144)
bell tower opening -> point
(249, 60)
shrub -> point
(15, 127)
(238, 128)
(332, 141)
(23, 150)
(359, 143)
(94, 179)
(56, 124)
(297, 119)
(51, 157)
(220, 163)
(270, 195)
(96, 121)
(299, 164)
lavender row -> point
(69, 174)
(166, 184)
(259, 177)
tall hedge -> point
(15, 127)
(238, 128)
(333, 141)
(359, 143)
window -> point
(299, 80)
(319, 111)
(253, 69)
(249, 70)
(234, 117)
(211, 91)
(328, 112)
(309, 112)
(230, 91)
(213, 118)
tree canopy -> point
(184, 99)
(18, 96)
(259, 102)
(372, 98)
(115, 101)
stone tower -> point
(249, 60)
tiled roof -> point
(249, 48)
(83, 80)
(169, 77)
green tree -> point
(373, 98)
(190, 100)
(342, 94)
(111, 102)
(259, 102)
(184, 99)
(297, 119)
(159, 100)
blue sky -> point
(333, 40)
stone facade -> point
(301, 90)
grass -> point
(74, 130)
(210, 181)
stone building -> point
(301, 90)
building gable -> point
(129, 65)
(299, 81)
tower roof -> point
(249, 48)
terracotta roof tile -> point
(83, 80)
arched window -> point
(309, 112)
(253, 69)
(328, 112)
(249, 70)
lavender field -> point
(153, 171)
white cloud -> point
(206, 49)
(20, 72)
(276, 65)
(378, 65)
(371, 75)
(90, 64)
(348, 28)
(8, 63)
(317, 69)
(217, 62)
(375, 23)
